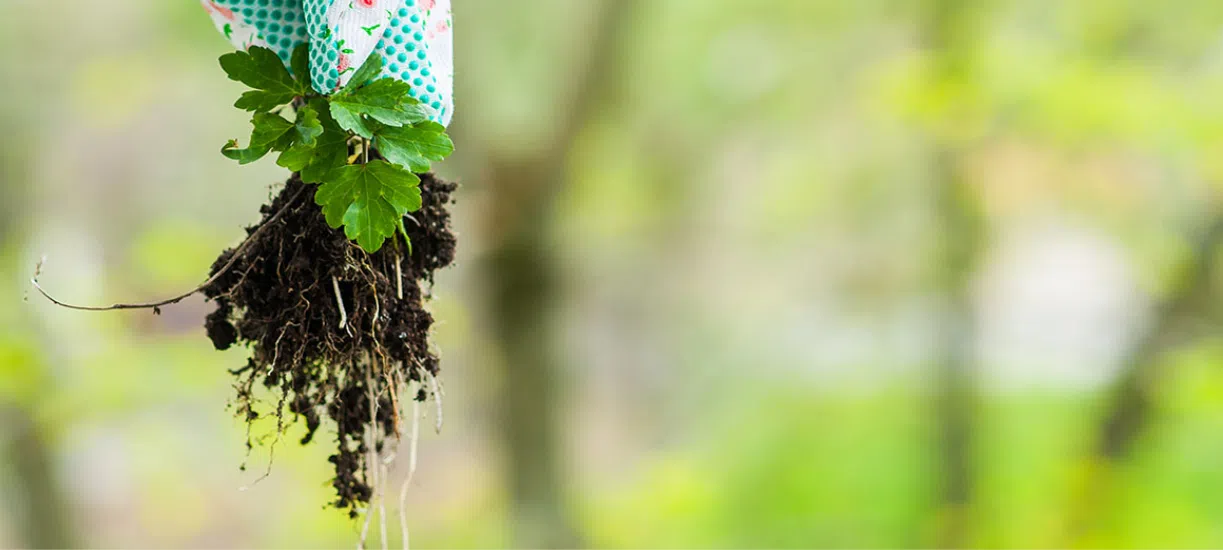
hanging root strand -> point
(339, 302)
(156, 306)
(413, 438)
(437, 399)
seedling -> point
(335, 320)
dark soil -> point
(280, 300)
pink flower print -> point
(344, 64)
(427, 4)
(227, 13)
(437, 30)
(366, 3)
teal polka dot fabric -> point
(406, 45)
(275, 24)
(412, 36)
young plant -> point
(336, 332)
(328, 139)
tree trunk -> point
(949, 29)
(521, 277)
(956, 380)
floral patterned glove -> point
(412, 36)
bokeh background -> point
(778, 273)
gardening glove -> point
(412, 36)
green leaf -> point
(308, 125)
(327, 156)
(386, 101)
(297, 157)
(261, 69)
(260, 101)
(301, 66)
(368, 71)
(270, 131)
(414, 147)
(351, 120)
(328, 152)
(369, 200)
(316, 162)
(389, 101)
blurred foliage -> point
(747, 240)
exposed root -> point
(398, 277)
(155, 306)
(267, 472)
(382, 475)
(268, 295)
(339, 302)
(437, 398)
(282, 295)
(373, 468)
(407, 481)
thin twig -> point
(156, 305)
(403, 489)
(339, 300)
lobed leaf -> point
(387, 101)
(262, 70)
(328, 151)
(351, 120)
(308, 125)
(261, 101)
(369, 201)
(270, 132)
(415, 147)
(366, 72)
(300, 62)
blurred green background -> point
(778, 273)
